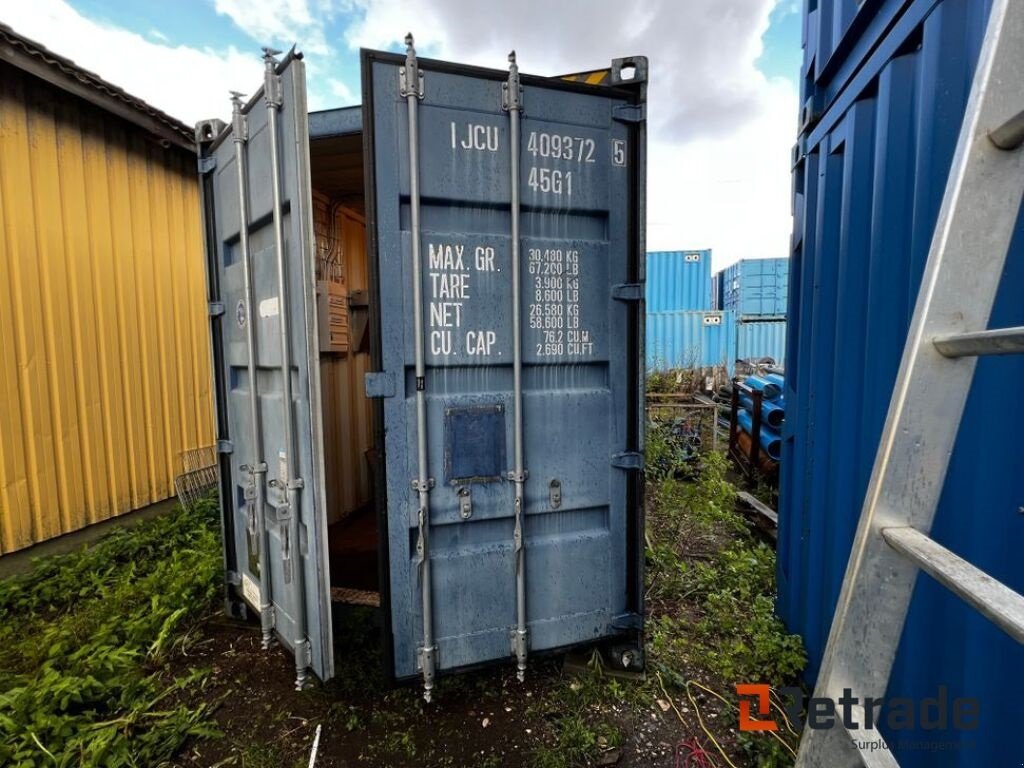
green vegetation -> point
(711, 593)
(83, 642)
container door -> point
(261, 280)
(580, 188)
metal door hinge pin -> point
(512, 91)
(239, 122)
(272, 92)
(410, 78)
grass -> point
(711, 596)
(84, 638)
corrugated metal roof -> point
(38, 60)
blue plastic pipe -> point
(769, 389)
(776, 379)
(771, 443)
(773, 412)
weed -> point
(83, 639)
(711, 586)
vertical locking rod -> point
(272, 97)
(512, 103)
(258, 468)
(411, 87)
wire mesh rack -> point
(198, 477)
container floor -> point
(352, 547)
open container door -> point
(261, 280)
(506, 541)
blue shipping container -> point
(761, 338)
(437, 548)
(678, 280)
(690, 340)
(871, 170)
(756, 287)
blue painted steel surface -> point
(756, 287)
(761, 338)
(345, 121)
(678, 280)
(582, 394)
(690, 339)
(226, 282)
(868, 185)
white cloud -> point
(720, 131)
(281, 22)
(340, 90)
(188, 83)
(720, 136)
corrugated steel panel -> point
(348, 427)
(756, 287)
(867, 195)
(690, 340)
(678, 280)
(756, 339)
(104, 368)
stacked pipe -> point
(773, 412)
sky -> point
(722, 106)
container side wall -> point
(105, 366)
(685, 340)
(678, 280)
(761, 339)
(867, 192)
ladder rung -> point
(997, 602)
(1010, 134)
(1002, 341)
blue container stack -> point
(757, 290)
(756, 287)
(682, 329)
(695, 319)
(678, 281)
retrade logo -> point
(932, 713)
(762, 693)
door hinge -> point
(225, 446)
(628, 292)
(206, 164)
(629, 460)
(629, 113)
(216, 308)
(379, 384)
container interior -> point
(339, 225)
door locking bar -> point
(255, 490)
(411, 87)
(273, 97)
(512, 102)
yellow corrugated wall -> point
(104, 351)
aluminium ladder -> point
(972, 236)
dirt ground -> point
(485, 718)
